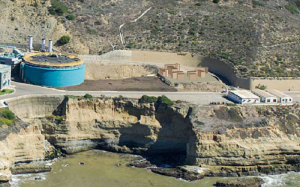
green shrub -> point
(91, 31)
(6, 113)
(6, 91)
(257, 3)
(261, 87)
(165, 100)
(292, 8)
(4, 121)
(88, 96)
(59, 119)
(57, 8)
(70, 17)
(297, 3)
(130, 45)
(64, 40)
(147, 99)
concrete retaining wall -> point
(100, 71)
(284, 84)
(30, 107)
(226, 72)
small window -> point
(283, 100)
(290, 100)
(268, 100)
(274, 100)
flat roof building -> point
(265, 97)
(243, 97)
(10, 55)
(281, 97)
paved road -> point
(203, 98)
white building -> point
(281, 97)
(265, 97)
(243, 97)
(5, 76)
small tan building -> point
(192, 75)
(180, 76)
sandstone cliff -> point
(226, 140)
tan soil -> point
(131, 84)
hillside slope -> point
(260, 37)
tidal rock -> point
(30, 168)
(240, 182)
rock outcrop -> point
(222, 140)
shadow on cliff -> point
(170, 147)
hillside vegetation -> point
(259, 37)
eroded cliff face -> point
(19, 144)
(118, 124)
(246, 140)
(227, 140)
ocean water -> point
(105, 169)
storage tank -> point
(52, 69)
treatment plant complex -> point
(45, 68)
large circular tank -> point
(53, 70)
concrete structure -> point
(243, 97)
(30, 43)
(173, 71)
(192, 75)
(43, 49)
(281, 97)
(180, 76)
(10, 55)
(53, 70)
(265, 97)
(174, 66)
(203, 69)
(50, 46)
(201, 73)
(227, 71)
(5, 76)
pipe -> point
(43, 45)
(50, 46)
(30, 44)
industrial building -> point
(10, 55)
(281, 97)
(265, 97)
(243, 97)
(53, 70)
(5, 76)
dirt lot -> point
(132, 84)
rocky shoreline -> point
(204, 141)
